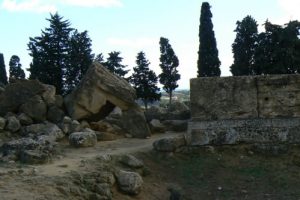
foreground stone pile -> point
(33, 119)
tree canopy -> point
(278, 49)
(144, 81)
(208, 60)
(15, 68)
(60, 55)
(168, 64)
(114, 64)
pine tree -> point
(243, 47)
(51, 53)
(99, 58)
(81, 59)
(208, 61)
(113, 64)
(3, 76)
(144, 81)
(15, 68)
(168, 63)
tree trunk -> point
(146, 104)
(170, 98)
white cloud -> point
(42, 6)
(290, 10)
(27, 5)
(291, 7)
(93, 3)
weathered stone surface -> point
(49, 95)
(13, 124)
(247, 131)
(156, 112)
(83, 139)
(169, 144)
(279, 96)
(176, 125)
(59, 101)
(217, 98)
(35, 108)
(25, 119)
(129, 182)
(134, 122)
(34, 157)
(105, 136)
(98, 93)
(2, 123)
(156, 126)
(55, 114)
(131, 161)
(46, 128)
(18, 93)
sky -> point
(131, 26)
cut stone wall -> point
(246, 109)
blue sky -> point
(131, 26)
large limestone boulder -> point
(19, 92)
(99, 90)
(134, 122)
(35, 108)
(99, 93)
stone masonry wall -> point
(246, 109)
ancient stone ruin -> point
(247, 109)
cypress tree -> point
(3, 76)
(208, 61)
(243, 47)
(15, 68)
(144, 81)
(168, 64)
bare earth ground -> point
(228, 172)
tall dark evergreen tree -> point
(113, 63)
(168, 63)
(51, 53)
(243, 47)
(81, 58)
(278, 49)
(15, 68)
(3, 76)
(144, 81)
(208, 60)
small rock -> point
(127, 135)
(129, 182)
(13, 124)
(55, 114)
(2, 123)
(24, 119)
(83, 139)
(156, 126)
(169, 144)
(131, 161)
(34, 157)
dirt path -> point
(74, 158)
